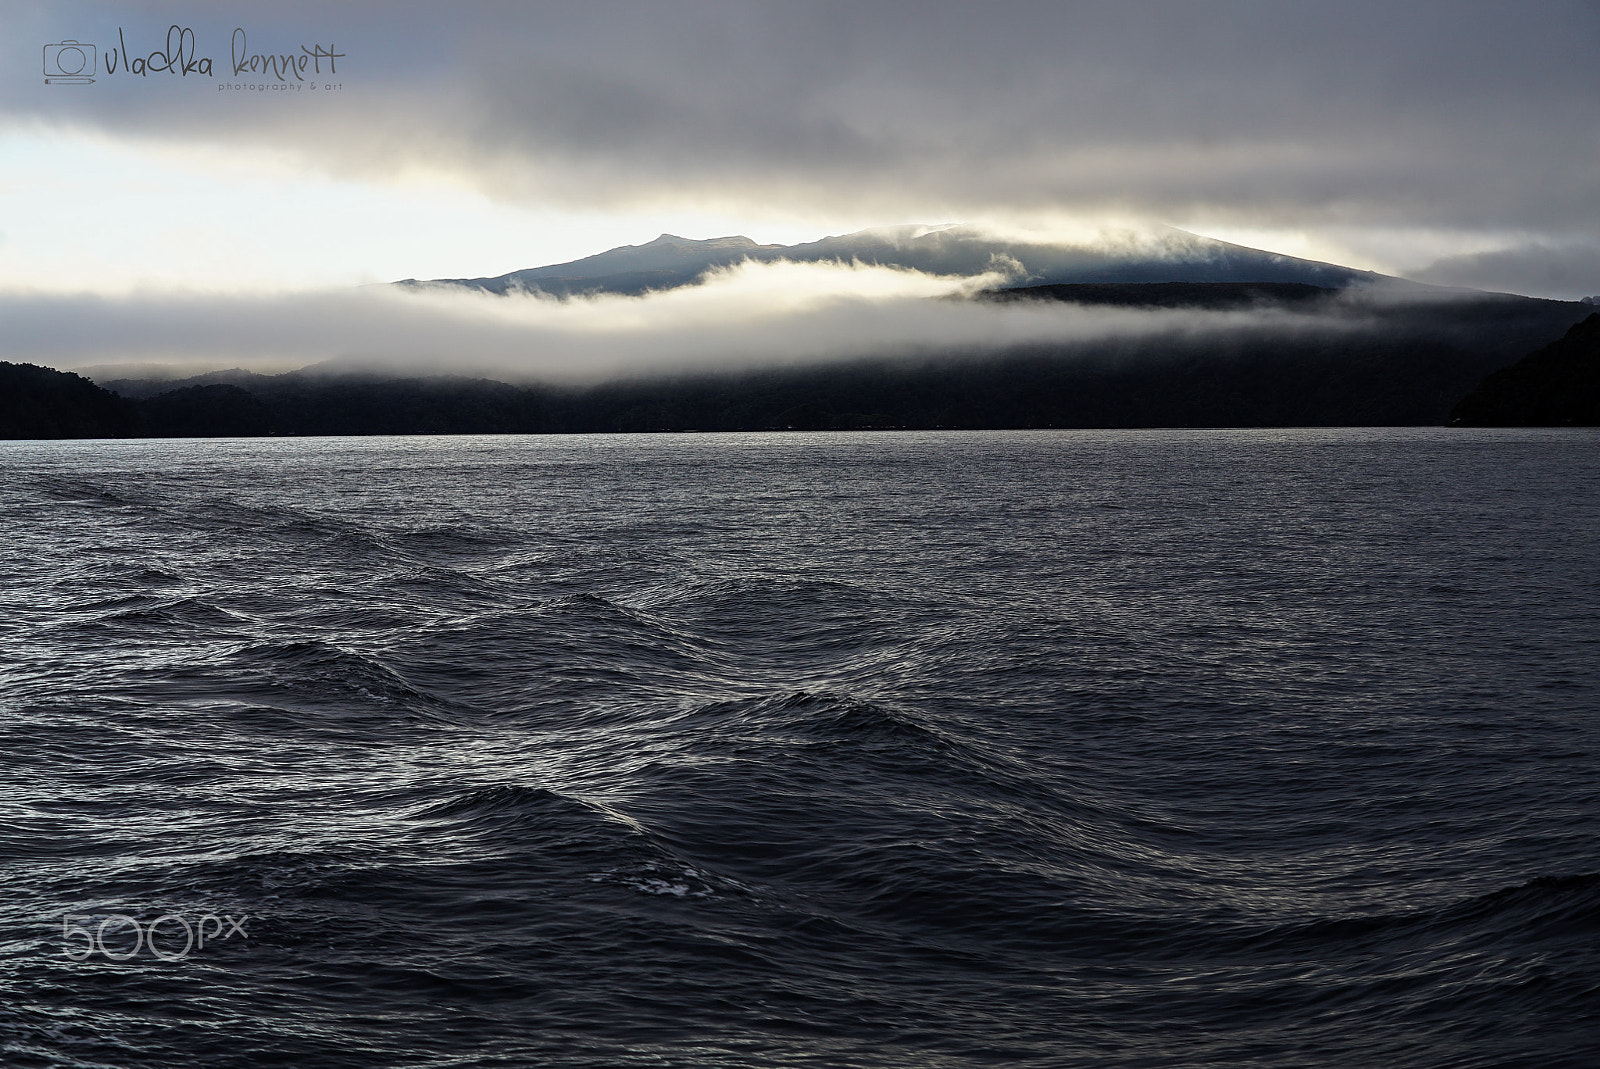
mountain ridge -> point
(1161, 255)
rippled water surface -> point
(1026, 749)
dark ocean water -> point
(1266, 748)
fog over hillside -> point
(674, 305)
(1100, 354)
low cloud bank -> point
(750, 315)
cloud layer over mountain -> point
(743, 316)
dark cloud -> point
(1569, 271)
(1440, 114)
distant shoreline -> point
(1425, 364)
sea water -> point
(1077, 748)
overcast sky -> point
(1454, 142)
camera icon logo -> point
(69, 63)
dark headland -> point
(1559, 385)
(40, 402)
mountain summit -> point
(665, 263)
(1161, 255)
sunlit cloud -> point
(750, 315)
